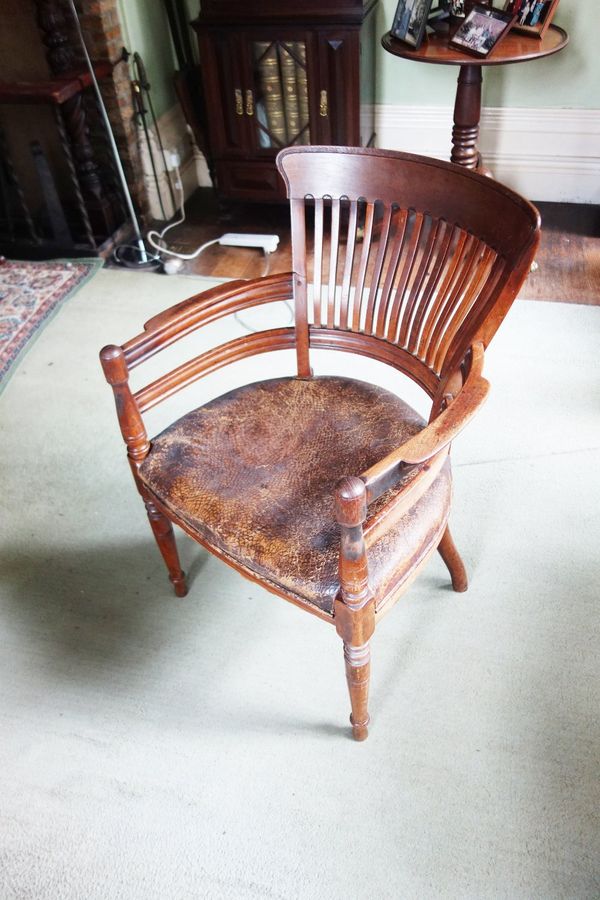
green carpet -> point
(161, 749)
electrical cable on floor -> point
(156, 239)
(175, 262)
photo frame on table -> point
(533, 16)
(410, 21)
(482, 30)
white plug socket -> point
(266, 242)
(173, 160)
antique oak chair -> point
(328, 491)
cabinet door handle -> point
(239, 103)
(323, 104)
(249, 103)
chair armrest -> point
(201, 309)
(434, 438)
(186, 317)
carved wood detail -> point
(62, 59)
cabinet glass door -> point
(278, 101)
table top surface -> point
(514, 48)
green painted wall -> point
(146, 30)
(569, 79)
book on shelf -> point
(289, 89)
(282, 104)
(270, 82)
(302, 92)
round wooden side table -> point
(515, 48)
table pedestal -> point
(514, 48)
(467, 113)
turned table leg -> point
(467, 113)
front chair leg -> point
(358, 672)
(354, 608)
(165, 538)
(451, 557)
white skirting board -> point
(194, 171)
(545, 154)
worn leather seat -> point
(253, 474)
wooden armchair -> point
(330, 492)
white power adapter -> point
(265, 242)
(172, 266)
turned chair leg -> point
(165, 538)
(358, 671)
(451, 557)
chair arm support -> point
(429, 442)
(350, 513)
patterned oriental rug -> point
(30, 293)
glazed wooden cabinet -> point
(279, 74)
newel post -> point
(354, 609)
(130, 420)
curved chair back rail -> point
(420, 255)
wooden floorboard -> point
(568, 261)
(569, 256)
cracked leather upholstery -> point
(253, 474)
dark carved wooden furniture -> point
(63, 56)
(278, 73)
(95, 219)
(72, 205)
(515, 48)
(329, 491)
